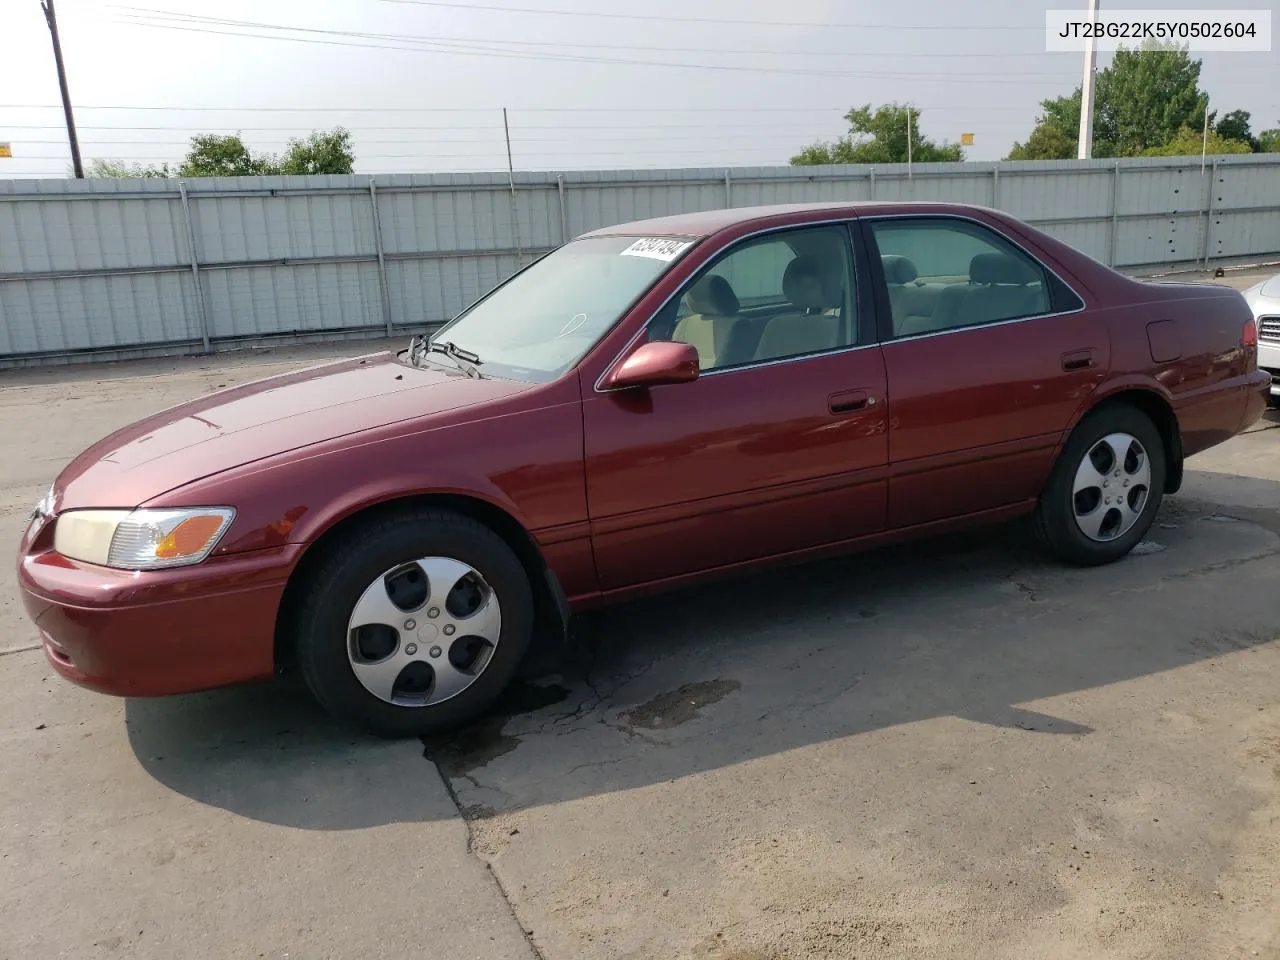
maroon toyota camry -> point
(648, 405)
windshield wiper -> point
(452, 350)
(464, 360)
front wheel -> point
(1105, 489)
(414, 623)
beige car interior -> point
(814, 291)
(998, 287)
(715, 312)
(811, 320)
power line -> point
(149, 13)
(841, 110)
(569, 150)
(711, 20)
(499, 53)
(792, 137)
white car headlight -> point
(141, 539)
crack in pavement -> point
(6, 651)
(446, 781)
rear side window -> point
(947, 274)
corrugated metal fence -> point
(138, 267)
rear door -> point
(779, 445)
(988, 354)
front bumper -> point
(1269, 360)
(139, 634)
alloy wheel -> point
(1111, 487)
(423, 631)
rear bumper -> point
(150, 634)
(1262, 387)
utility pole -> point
(1204, 143)
(1085, 151)
(51, 19)
(511, 184)
(908, 141)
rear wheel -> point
(1105, 489)
(414, 623)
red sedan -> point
(646, 406)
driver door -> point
(779, 445)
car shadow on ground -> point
(976, 626)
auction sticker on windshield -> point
(657, 248)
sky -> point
(587, 84)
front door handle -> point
(849, 400)
(1077, 360)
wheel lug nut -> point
(449, 629)
(410, 624)
(411, 649)
(435, 652)
(433, 612)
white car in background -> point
(1264, 301)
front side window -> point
(544, 320)
(949, 274)
(782, 295)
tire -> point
(406, 566)
(1068, 523)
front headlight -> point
(141, 539)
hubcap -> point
(1111, 487)
(423, 632)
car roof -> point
(706, 222)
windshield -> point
(542, 321)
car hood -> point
(256, 420)
(1270, 289)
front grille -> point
(1269, 329)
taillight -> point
(1249, 335)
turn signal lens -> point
(189, 537)
(1249, 335)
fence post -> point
(382, 260)
(201, 308)
(564, 219)
(1115, 215)
(873, 184)
(995, 187)
(728, 190)
(1208, 217)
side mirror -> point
(653, 364)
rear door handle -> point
(850, 400)
(1077, 360)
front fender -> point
(527, 464)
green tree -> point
(1063, 115)
(224, 155)
(1151, 94)
(119, 170)
(1235, 126)
(879, 136)
(1190, 143)
(1269, 141)
(1141, 100)
(321, 152)
(1047, 142)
